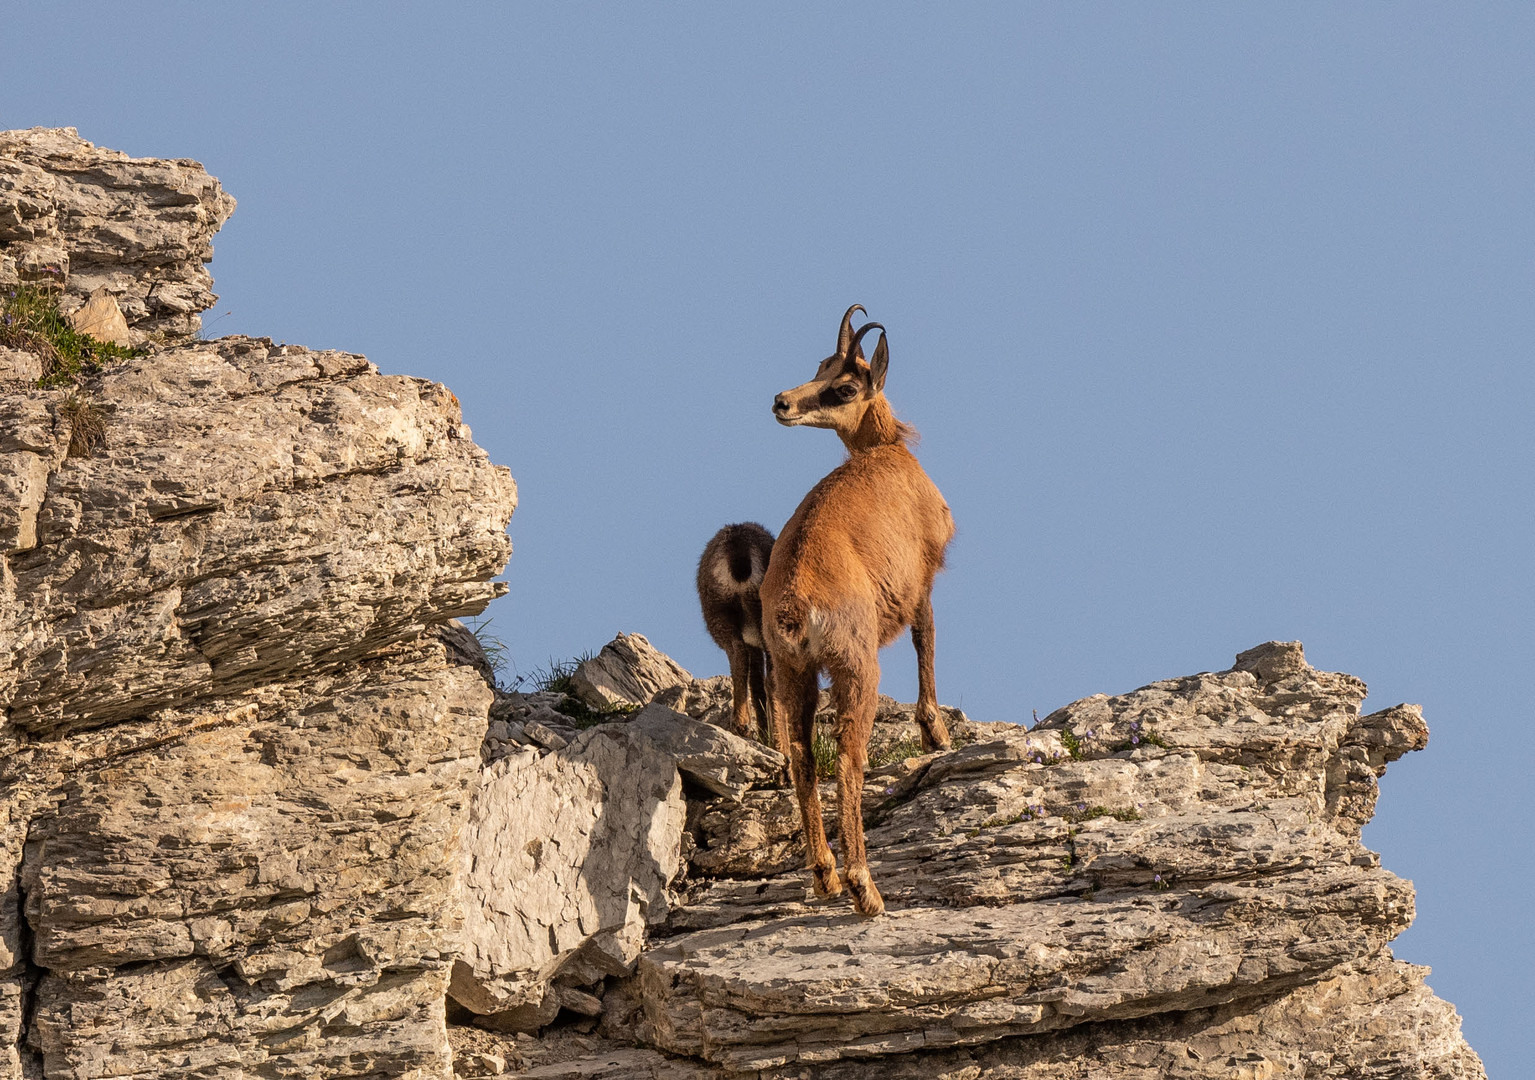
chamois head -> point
(847, 393)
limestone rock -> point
(264, 887)
(464, 648)
(1191, 846)
(102, 319)
(256, 512)
(716, 760)
(628, 671)
(90, 220)
(234, 770)
(568, 859)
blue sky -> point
(1216, 324)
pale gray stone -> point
(717, 760)
(89, 219)
(628, 671)
(544, 736)
(568, 859)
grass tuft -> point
(555, 679)
(30, 321)
(823, 747)
(492, 646)
(896, 751)
(87, 425)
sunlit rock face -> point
(89, 220)
(235, 757)
(1168, 882)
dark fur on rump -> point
(729, 573)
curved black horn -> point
(857, 341)
(845, 335)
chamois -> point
(729, 573)
(853, 568)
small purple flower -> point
(1081, 806)
(1156, 877)
(1135, 740)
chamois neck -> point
(877, 427)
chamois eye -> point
(847, 391)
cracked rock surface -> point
(1162, 883)
(235, 765)
(88, 220)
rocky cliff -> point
(266, 814)
(235, 765)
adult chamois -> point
(729, 573)
(852, 569)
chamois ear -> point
(881, 353)
(880, 363)
(845, 335)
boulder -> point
(718, 761)
(628, 672)
(567, 860)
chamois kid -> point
(852, 569)
(729, 574)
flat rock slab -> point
(567, 860)
(816, 988)
(1371, 1019)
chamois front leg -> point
(795, 696)
(935, 733)
(855, 693)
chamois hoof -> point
(866, 898)
(825, 881)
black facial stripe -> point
(828, 398)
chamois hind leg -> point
(935, 733)
(740, 696)
(795, 696)
(757, 668)
(855, 689)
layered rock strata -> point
(90, 221)
(235, 764)
(1164, 883)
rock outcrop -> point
(98, 222)
(567, 862)
(235, 766)
(1164, 883)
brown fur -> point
(852, 569)
(729, 573)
